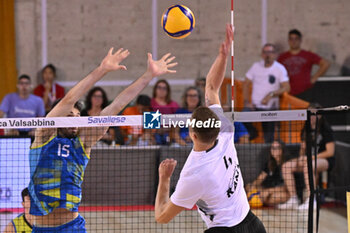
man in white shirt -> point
(211, 177)
(269, 80)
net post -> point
(232, 64)
(317, 192)
(309, 142)
(348, 207)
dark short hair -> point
(24, 76)
(51, 67)
(168, 95)
(79, 105)
(205, 135)
(295, 32)
(91, 93)
(143, 100)
(25, 192)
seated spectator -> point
(162, 98)
(241, 133)
(136, 135)
(22, 223)
(191, 99)
(325, 160)
(49, 90)
(22, 104)
(270, 183)
(269, 80)
(96, 100)
(162, 101)
(200, 84)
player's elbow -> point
(161, 221)
(162, 218)
(68, 100)
(209, 87)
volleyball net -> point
(120, 181)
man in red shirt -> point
(299, 62)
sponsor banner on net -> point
(263, 116)
(62, 122)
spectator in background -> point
(270, 182)
(200, 84)
(22, 223)
(325, 159)
(162, 98)
(49, 90)
(298, 63)
(269, 80)
(345, 69)
(191, 99)
(22, 104)
(162, 101)
(241, 133)
(136, 135)
(96, 100)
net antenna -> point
(332, 109)
(232, 66)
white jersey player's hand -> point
(166, 168)
(226, 45)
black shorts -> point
(250, 224)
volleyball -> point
(178, 21)
(254, 199)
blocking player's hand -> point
(162, 66)
(166, 168)
(112, 61)
(226, 45)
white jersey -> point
(213, 180)
(266, 80)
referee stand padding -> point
(287, 133)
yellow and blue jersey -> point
(21, 224)
(56, 174)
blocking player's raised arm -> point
(64, 107)
(155, 68)
(110, 63)
(217, 71)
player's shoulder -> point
(36, 98)
(306, 52)
(11, 95)
(279, 66)
(257, 64)
(284, 54)
(309, 54)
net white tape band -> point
(137, 120)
